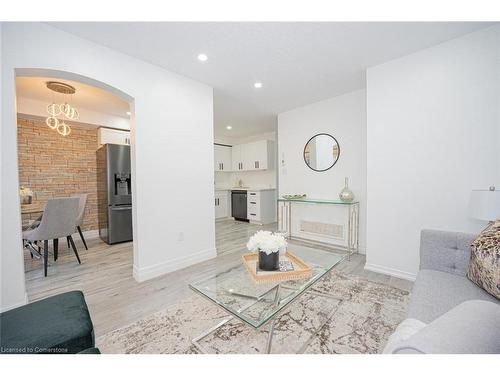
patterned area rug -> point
(340, 314)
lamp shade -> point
(485, 205)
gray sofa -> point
(447, 313)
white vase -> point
(346, 195)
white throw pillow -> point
(404, 331)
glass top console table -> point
(285, 213)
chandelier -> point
(58, 113)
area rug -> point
(340, 314)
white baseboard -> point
(18, 304)
(390, 271)
(150, 272)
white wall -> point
(171, 130)
(433, 136)
(344, 117)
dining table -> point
(27, 210)
(32, 208)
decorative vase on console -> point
(346, 195)
(269, 245)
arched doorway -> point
(64, 76)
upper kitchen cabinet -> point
(113, 136)
(253, 156)
(259, 155)
(222, 158)
(237, 158)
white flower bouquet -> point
(267, 242)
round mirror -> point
(321, 152)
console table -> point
(284, 216)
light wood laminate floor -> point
(116, 299)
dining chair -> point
(58, 220)
(81, 213)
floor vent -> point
(322, 229)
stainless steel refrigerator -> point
(114, 193)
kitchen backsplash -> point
(256, 179)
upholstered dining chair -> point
(58, 220)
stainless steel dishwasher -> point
(239, 205)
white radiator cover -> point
(329, 230)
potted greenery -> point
(269, 245)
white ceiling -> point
(298, 63)
(86, 96)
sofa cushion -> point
(484, 265)
(436, 292)
(406, 329)
(58, 324)
(473, 327)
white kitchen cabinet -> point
(253, 156)
(221, 204)
(261, 206)
(222, 158)
(237, 158)
(113, 136)
(259, 155)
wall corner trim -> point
(150, 272)
(390, 271)
(17, 304)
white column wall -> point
(172, 132)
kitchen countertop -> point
(242, 188)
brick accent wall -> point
(54, 166)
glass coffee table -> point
(258, 304)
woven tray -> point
(300, 268)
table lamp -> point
(485, 204)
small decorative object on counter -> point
(346, 195)
(26, 195)
(269, 245)
(294, 196)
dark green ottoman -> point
(90, 351)
(58, 324)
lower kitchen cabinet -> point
(222, 204)
(261, 206)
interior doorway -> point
(74, 138)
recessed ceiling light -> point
(229, 127)
(257, 85)
(128, 113)
(202, 57)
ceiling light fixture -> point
(64, 110)
(257, 85)
(202, 57)
(229, 127)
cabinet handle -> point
(222, 166)
(253, 214)
(253, 202)
(257, 165)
